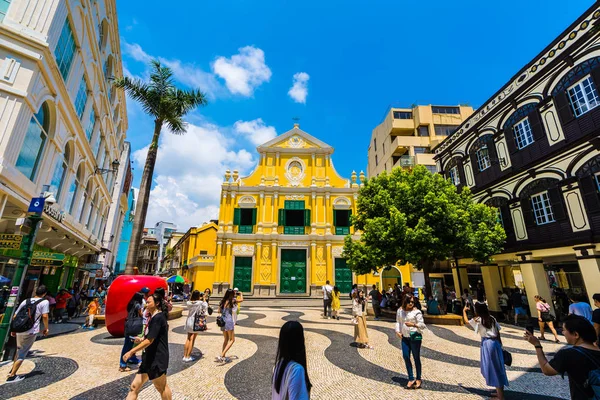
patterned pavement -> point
(84, 364)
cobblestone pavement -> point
(83, 364)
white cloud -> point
(243, 72)
(299, 89)
(188, 192)
(258, 132)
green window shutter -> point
(294, 205)
(282, 217)
(237, 215)
(254, 216)
(306, 217)
(335, 217)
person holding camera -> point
(226, 309)
(492, 358)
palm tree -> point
(167, 104)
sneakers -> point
(16, 378)
(187, 359)
(328, 317)
(354, 321)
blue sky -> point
(351, 60)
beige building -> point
(61, 125)
(407, 136)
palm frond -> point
(176, 125)
(140, 92)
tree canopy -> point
(418, 217)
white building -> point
(164, 231)
(61, 124)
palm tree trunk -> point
(141, 208)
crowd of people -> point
(147, 330)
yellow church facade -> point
(281, 229)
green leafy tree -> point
(418, 217)
(167, 105)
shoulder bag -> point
(199, 322)
(505, 353)
(546, 315)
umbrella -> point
(176, 279)
(4, 279)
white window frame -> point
(542, 209)
(597, 180)
(583, 96)
(454, 176)
(483, 158)
(523, 133)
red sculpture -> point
(120, 293)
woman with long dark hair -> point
(361, 336)
(577, 361)
(195, 322)
(492, 360)
(409, 327)
(226, 310)
(335, 303)
(133, 328)
(290, 377)
(155, 359)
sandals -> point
(410, 385)
(126, 369)
(419, 386)
(556, 341)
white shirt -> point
(293, 383)
(484, 332)
(43, 307)
(503, 300)
(415, 316)
(326, 289)
(197, 306)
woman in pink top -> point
(544, 317)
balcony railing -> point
(294, 230)
(246, 229)
(342, 230)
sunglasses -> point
(411, 302)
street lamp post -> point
(36, 208)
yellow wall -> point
(200, 267)
(293, 166)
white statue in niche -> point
(295, 171)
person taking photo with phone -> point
(578, 361)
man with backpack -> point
(26, 325)
(327, 298)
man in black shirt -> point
(596, 316)
(155, 359)
(517, 304)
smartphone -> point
(529, 328)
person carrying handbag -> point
(409, 327)
(491, 353)
(545, 317)
(195, 322)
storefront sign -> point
(46, 270)
(53, 212)
(46, 255)
(9, 241)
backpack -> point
(25, 318)
(134, 324)
(593, 378)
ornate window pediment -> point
(342, 203)
(295, 171)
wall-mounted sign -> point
(46, 255)
(36, 205)
(9, 241)
(53, 212)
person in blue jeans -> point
(133, 308)
(409, 327)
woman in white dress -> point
(197, 306)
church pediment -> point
(295, 139)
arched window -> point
(482, 153)
(91, 216)
(542, 202)
(525, 126)
(33, 145)
(589, 183)
(60, 171)
(74, 187)
(454, 171)
(576, 93)
(84, 203)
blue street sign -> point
(36, 205)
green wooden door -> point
(293, 271)
(343, 276)
(242, 274)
